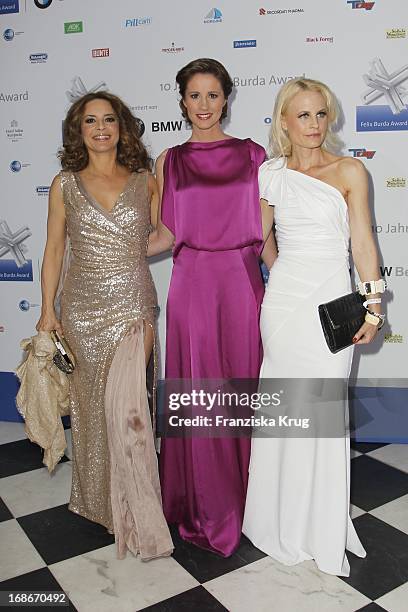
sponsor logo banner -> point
(101, 52)
(356, 4)
(214, 16)
(396, 181)
(9, 7)
(138, 21)
(396, 33)
(240, 44)
(38, 58)
(9, 271)
(42, 190)
(73, 27)
(14, 133)
(362, 153)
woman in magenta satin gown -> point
(210, 212)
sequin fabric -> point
(107, 288)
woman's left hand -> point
(365, 334)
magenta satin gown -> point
(211, 205)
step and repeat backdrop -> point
(53, 51)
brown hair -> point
(204, 65)
(131, 153)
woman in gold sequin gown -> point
(101, 207)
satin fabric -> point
(211, 204)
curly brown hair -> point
(131, 153)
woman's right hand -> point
(48, 322)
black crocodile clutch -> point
(340, 320)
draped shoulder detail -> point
(272, 181)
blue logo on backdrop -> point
(241, 44)
(42, 4)
(137, 21)
(38, 58)
(42, 190)
(15, 166)
(8, 34)
(387, 87)
(24, 305)
(9, 7)
(214, 16)
(19, 268)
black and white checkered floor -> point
(43, 546)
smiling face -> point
(204, 100)
(306, 119)
(100, 126)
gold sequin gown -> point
(108, 296)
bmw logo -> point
(42, 4)
(141, 127)
(268, 120)
(8, 34)
(24, 305)
(15, 166)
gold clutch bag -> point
(63, 357)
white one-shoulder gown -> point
(298, 492)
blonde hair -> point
(279, 143)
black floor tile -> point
(5, 514)
(366, 447)
(58, 534)
(195, 599)
(372, 607)
(386, 565)
(374, 483)
(205, 565)
(20, 456)
(39, 580)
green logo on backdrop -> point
(72, 27)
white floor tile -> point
(10, 432)
(99, 582)
(287, 589)
(17, 554)
(396, 600)
(355, 511)
(37, 490)
(394, 513)
(395, 455)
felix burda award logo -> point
(384, 101)
(14, 266)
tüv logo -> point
(362, 153)
(15, 166)
(357, 4)
(8, 34)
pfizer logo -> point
(15, 166)
(24, 305)
(8, 34)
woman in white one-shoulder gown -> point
(298, 493)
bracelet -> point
(375, 318)
(370, 287)
(371, 301)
